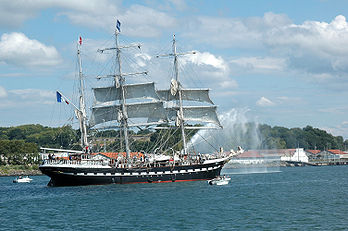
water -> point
(302, 198)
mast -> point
(82, 107)
(119, 79)
(177, 89)
(119, 85)
(181, 117)
(180, 112)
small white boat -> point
(22, 179)
(220, 180)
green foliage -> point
(18, 152)
(20, 145)
(62, 137)
(308, 138)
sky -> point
(283, 63)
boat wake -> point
(243, 171)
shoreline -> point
(19, 170)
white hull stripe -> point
(145, 173)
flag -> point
(80, 40)
(118, 26)
(59, 97)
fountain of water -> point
(237, 130)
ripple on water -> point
(306, 198)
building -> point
(296, 155)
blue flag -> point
(59, 97)
(118, 25)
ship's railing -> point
(73, 162)
(184, 160)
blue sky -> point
(284, 62)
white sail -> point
(139, 90)
(199, 95)
(153, 111)
(195, 113)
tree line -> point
(27, 139)
(307, 137)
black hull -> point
(72, 176)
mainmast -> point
(82, 107)
(119, 86)
(119, 82)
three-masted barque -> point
(121, 102)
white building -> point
(299, 155)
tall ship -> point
(121, 104)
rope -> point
(208, 142)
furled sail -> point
(140, 90)
(195, 113)
(153, 111)
(199, 95)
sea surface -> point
(298, 198)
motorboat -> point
(22, 179)
(220, 180)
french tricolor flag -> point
(59, 98)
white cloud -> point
(212, 70)
(27, 97)
(14, 13)
(141, 20)
(264, 102)
(206, 58)
(235, 32)
(179, 4)
(142, 59)
(137, 20)
(3, 92)
(337, 130)
(315, 47)
(228, 84)
(260, 63)
(333, 110)
(33, 93)
(311, 49)
(17, 49)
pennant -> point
(59, 97)
(80, 40)
(118, 25)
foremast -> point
(82, 106)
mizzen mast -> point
(176, 88)
(181, 116)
